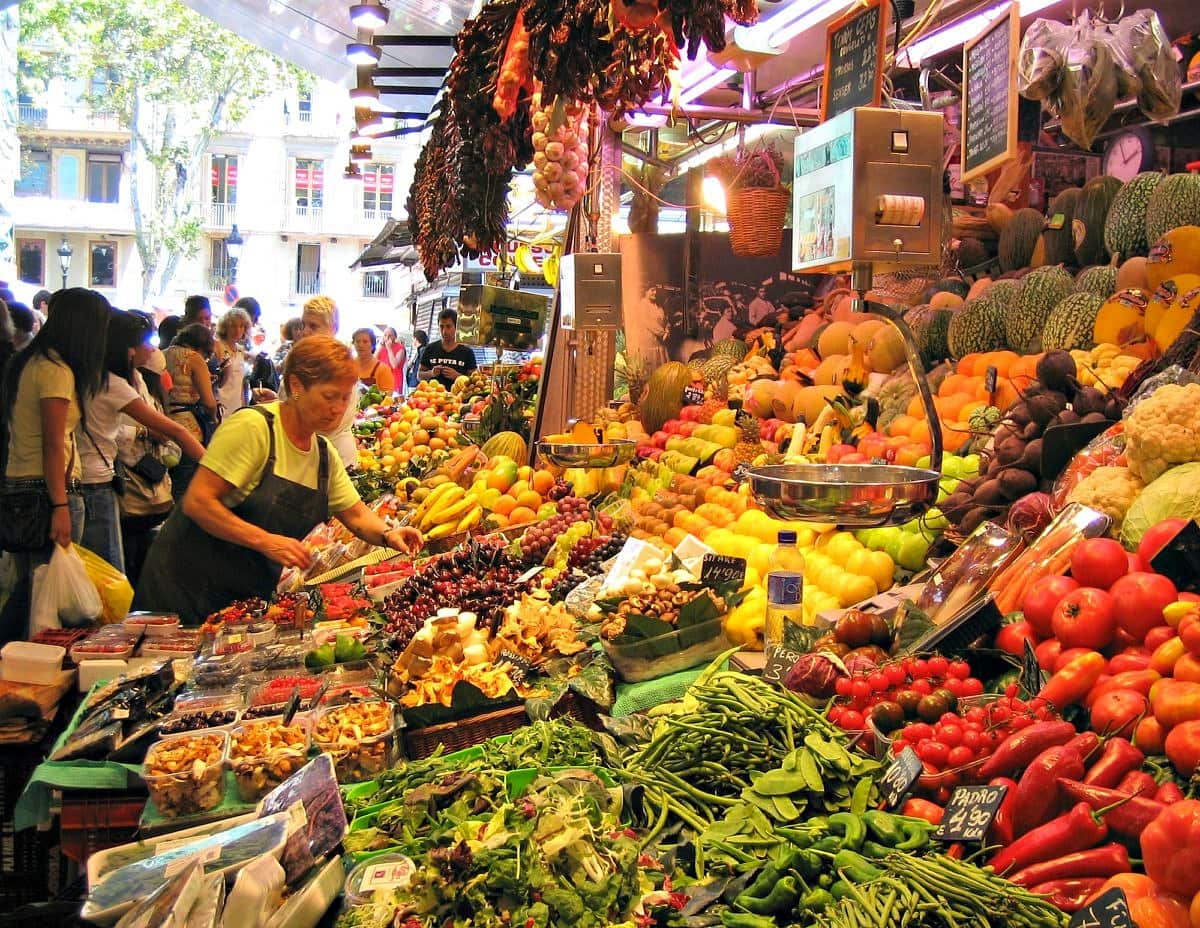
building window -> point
(309, 184)
(31, 258)
(103, 177)
(223, 179)
(102, 269)
(69, 175)
(35, 173)
(308, 268)
(218, 263)
(304, 106)
(375, 283)
(378, 183)
(103, 82)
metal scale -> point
(866, 196)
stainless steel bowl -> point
(607, 454)
(853, 495)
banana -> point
(440, 531)
(523, 258)
(470, 520)
(450, 511)
(1174, 612)
(550, 267)
(436, 496)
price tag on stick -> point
(969, 813)
(899, 778)
(693, 396)
(1111, 910)
(722, 570)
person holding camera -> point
(103, 482)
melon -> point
(1100, 279)
(1132, 275)
(759, 398)
(1058, 238)
(664, 395)
(944, 299)
(840, 305)
(1019, 239)
(1176, 252)
(1177, 317)
(977, 327)
(1174, 202)
(955, 285)
(972, 253)
(785, 401)
(1041, 292)
(1164, 296)
(1071, 322)
(1091, 214)
(835, 339)
(1122, 319)
(885, 350)
(509, 445)
(930, 327)
(733, 347)
(811, 401)
(978, 289)
(831, 370)
(1125, 228)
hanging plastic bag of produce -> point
(1153, 61)
(1040, 61)
(114, 588)
(1128, 82)
(65, 591)
(1088, 91)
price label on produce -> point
(899, 778)
(969, 813)
(521, 667)
(530, 574)
(1111, 910)
(722, 570)
(693, 396)
(779, 662)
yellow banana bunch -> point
(435, 496)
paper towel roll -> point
(899, 210)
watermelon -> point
(1100, 279)
(1174, 202)
(1071, 322)
(931, 328)
(1041, 292)
(1125, 228)
(1019, 239)
(734, 347)
(978, 326)
(1090, 216)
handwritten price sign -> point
(969, 813)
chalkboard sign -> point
(899, 778)
(989, 118)
(969, 813)
(779, 662)
(522, 668)
(722, 570)
(1111, 910)
(854, 46)
(692, 396)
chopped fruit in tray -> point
(239, 612)
(339, 604)
(279, 690)
(289, 610)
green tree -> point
(171, 77)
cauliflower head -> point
(1163, 430)
(1110, 490)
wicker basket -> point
(475, 729)
(756, 216)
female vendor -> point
(266, 480)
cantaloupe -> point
(1165, 296)
(759, 398)
(1132, 275)
(831, 370)
(811, 401)
(835, 339)
(1176, 252)
(1177, 317)
(1122, 319)
(885, 350)
(786, 400)
(978, 289)
(944, 299)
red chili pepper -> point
(1078, 830)
(1169, 792)
(1086, 744)
(1069, 895)
(1071, 684)
(1037, 790)
(1015, 752)
(1105, 861)
(1001, 832)
(923, 808)
(1137, 783)
(1124, 814)
(1118, 758)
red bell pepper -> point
(1018, 750)
(1169, 792)
(1170, 845)
(1071, 685)
(1118, 758)
(1086, 743)
(1123, 814)
(1105, 861)
(1077, 830)
(1069, 895)
(1037, 790)
(1001, 832)
(1137, 783)
(923, 808)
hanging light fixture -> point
(371, 15)
(360, 153)
(365, 94)
(363, 54)
(366, 120)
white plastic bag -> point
(43, 614)
(66, 590)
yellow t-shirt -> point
(238, 452)
(41, 379)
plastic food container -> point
(277, 656)
(170, 646)
(26, 662)
(103, 648)
(264, 752)
(233, 639)
(218, 671)
(385, 872)
(360, 737)
(152, 624)
(650, 658)
(196, 713)
(269, 696)
(185, 774)
(261, 633)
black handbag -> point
(149, 468)
(25, 503)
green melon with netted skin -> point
(731, 347)
(978, 326)
(1125, 227)
(1071, 322)
(1174, 202)
(931, 329)
(1041, 290)
(718, 366)
(1100, 279)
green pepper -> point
(782, 898)
(801, 837)
(825, 880)
(855, 867)
(830, 845)
(875, 850)
(840, 890)
(850, 827)
(809, 864)
(816, 899)
(916, 834)
(746, 920)
(884, 827)
(762, 883)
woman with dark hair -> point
(372, 372)
(45, 392)
(267, 479)
(393, 353)
(127, 344)
(7, 339)
(167, 330)
(193, 404)
(413, 377)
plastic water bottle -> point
(785, 589)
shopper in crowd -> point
(41, 306)
(230, 351)
(7, 339)
(394, 354)
(447, 359)
(320, 317)
(45, 391)
(24, 324)
(412, 376)
(197, 311)
(289, 332)
(372, 371)
(192, 402)
(263, 378)
(267, 479)
(103, 482)
(251, 307)
(167, 330)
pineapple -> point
(748, 447)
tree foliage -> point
(172, 78)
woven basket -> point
(756, 216)
(475, 729)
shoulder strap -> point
(269, 467)
(323, 466)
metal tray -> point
(853, 495)
(606, 454)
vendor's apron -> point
(193, 573)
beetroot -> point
(814, 675)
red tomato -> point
(1189, 633)
(1156, 536)
(1041, 598)
(1135, 562)
(1012, 637)
(1150, 736)
(1157, 636)
(1117, 712)
(1139, 599)
(1047, 653)
(1131, 659)
(1098, 562)
(1066, 655)
(1084, 618)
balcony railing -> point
(222, 215)
(370, 214)
(308, 283)
(218, 277)
(30, 115)
(87, 117)
(375, 285)
(305, 218)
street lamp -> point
(233, 248)
(65, 253)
